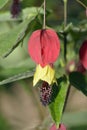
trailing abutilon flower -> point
(83, 54)
(44, 46)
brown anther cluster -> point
(45, 93)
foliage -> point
(4, 125)
(59, 95)
(15, 32)
(79, 81)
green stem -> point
(65, 47)
(44, 19)
(65, 14)
(65, 35)
(81, 4)
(67, 96)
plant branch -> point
(81, 4)
(67, 96)
(65, 14)
(65, 35)
(65, 47)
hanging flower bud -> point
(44, 46)
(15, 8)
(46, 73)
(61, 127)
(86, 12)
(45, 93)
(80, 68)
(83, 54)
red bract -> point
(44, 46)
(83, 54)
(61, 127)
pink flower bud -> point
(44, 46)
(83, 54)
(61, 127)
(53, 127)
(86, 12)
(80, 68)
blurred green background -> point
(20, 107)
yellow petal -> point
(46, 73)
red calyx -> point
(83, 54)
(44, 46)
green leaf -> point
(2, 3)
(9, 41)
(17, 77)
(4, 125)
(79, 32)
(5, 73)
(59, 95)
(6, 16)
(79, 81)
(26, 13)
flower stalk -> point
(44, 19)
(82, 4)
(65, 13)
(65, 35)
